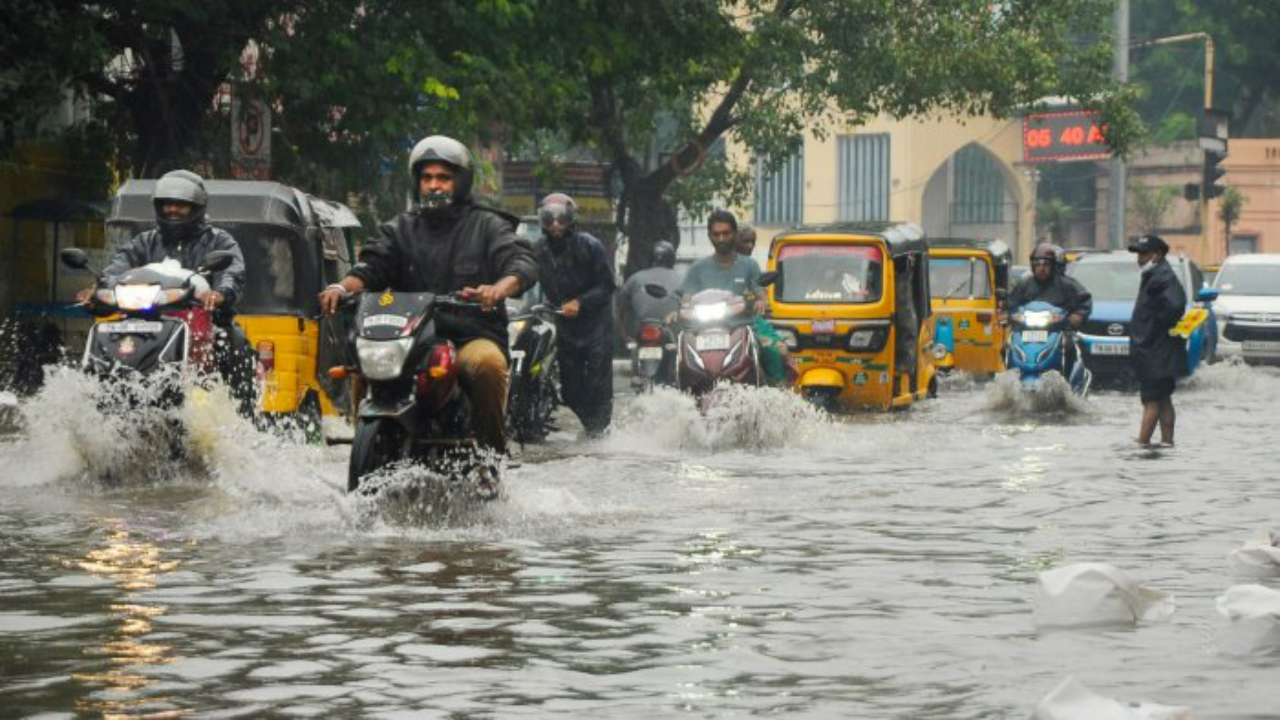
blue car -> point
(1113, 278)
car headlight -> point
(136, 297)
(383, 359)
(707, 313)
(789, 337)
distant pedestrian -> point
(746, 242)
(1158, 358)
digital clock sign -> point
(1076, 135)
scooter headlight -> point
(383, 359)
(709, 313)
(1038, 319)
(105, 296)
(136, 297)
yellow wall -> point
(918, 149)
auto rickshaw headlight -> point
(939, 351)
(383, 359)
(862, 339)
(789, 337)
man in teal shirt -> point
(739, 274)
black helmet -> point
(664, 254)
(439, 148)
(557, 207)
(185, 187)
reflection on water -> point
(133, 562)
(761, 559)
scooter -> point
(534, 392)
(653, 352)
(1037, 345)
(162, 336)
(414, 409)
(715, 341)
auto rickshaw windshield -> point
(829, 274)
(959, 278)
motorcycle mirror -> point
(655, 290)
(74, 258)
(217, 261)
(769, 278)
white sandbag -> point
(1087, 594)
(1073, 701)
(1252, 614)
(1258, 557)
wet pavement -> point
(760, 560)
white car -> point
(1248, 308)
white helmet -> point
(439, 148)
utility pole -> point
(1120, 71)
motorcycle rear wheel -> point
(377, 444)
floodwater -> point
(762, 560)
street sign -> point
(250, 139)
(1061, 136)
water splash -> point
(1052, 396)
(739, 417)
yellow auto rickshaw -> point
(294, 245)
(852, 303)
(969, 279)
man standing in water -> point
(1157, 357)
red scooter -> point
(716, 340)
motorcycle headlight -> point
(169, 297)
(136, 297)
(105, 296)
(708, 313)
(513, 331)
(789, 338)
(383, 359)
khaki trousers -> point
(485, 377)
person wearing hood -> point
(1158, 358)
(578, 280)
(447, 243)
(183, 233)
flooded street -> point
(760, 561)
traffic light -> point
(1191, 191)
(1213, 172)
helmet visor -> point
(555, 214)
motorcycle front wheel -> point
(377, 444)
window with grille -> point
(863, 176)
(780, 194)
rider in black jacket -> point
(1048, 284)
(577, 278)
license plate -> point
(395, 321)
(652, 353)
(1261, 345)
(824, 327)
(131, 327)
(1035, 336)
(1111, 349)
(711, 341)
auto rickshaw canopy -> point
(900, 238)
(230, 201)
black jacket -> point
(1161, 302)
(579, 271)
(470, 246)
(149, 247)
(1060, 290)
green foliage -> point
(1230, 205)
(1053, 215)
(1149, 204)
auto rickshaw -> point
(852, 303)
(294, 245)
(969, 279)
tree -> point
(764, 73)
(1229, 208)
(1149, 204)
(1053, 216)
(149, 68)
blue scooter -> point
(1037, 345)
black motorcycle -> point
(653, 355)
(535, 391)
(414, 408)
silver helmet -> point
(439, 148)
(181, 186)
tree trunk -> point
(647, 218)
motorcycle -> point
(414, 409)
(1037, 345)
(534, 391)
(162, 334)
(653, 352)
(715, 340)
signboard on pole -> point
(1059, 136)
(250, 139)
